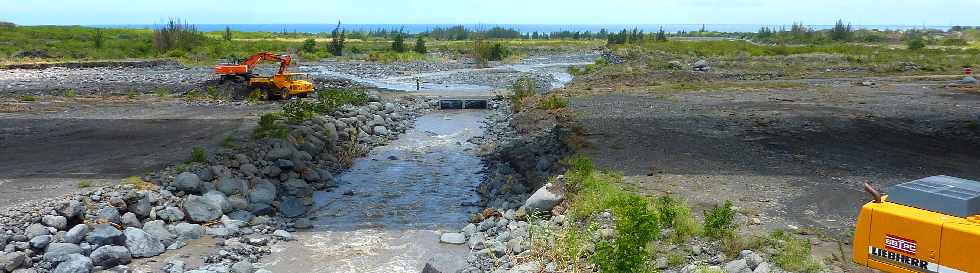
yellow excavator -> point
(281, 85)
(927, 225)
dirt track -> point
(785, 157)
(47, 150)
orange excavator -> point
(283, 84)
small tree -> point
(227, 34)
(309, 45)
(420, 45)
(398, 45)
(99, 38)
(916, 43)
(661, 35)
(337, 40)
(841, 32)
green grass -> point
(269, 128)
(553, 102)
(793, 253)
(676, 215)
(719, 221)
(198, 155)
(392, 56)
(70, 93)
(84, 184)
(27, 98)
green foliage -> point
(553, 102)
(27, 98)
(255, 96)
(99, 38)
(523, 88)
(199, 155)
(161, 92)
(793, 253)
(227, 34)
(420, 45)
(178, 35)
(719, 221)
(309, 45)
(337, 37)
(398, 44)
(662, 36)
(392, 56)
(269, 128)
(70, 93)
(676, 215)
(841, 32)
(915, 44)
(84, 184)
(296, 111)
(330, 99)
(589, 68)
(636, 226)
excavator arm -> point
(246, 67)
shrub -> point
(330, 99)
(398, 45)
(84, 184)
(297, 111)
(676, 215)
(176, 34)
(337, 41)
(524, 87)
(553, 102)
(915, 43)
(98, 39)
(793, 253)
(70, 93)
(27, 98)
(420, 45)
(199, 155)
(309, 45)
(268, 128)
(719, 221)
(636, 225)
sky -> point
(813, 12)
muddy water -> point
(389, 209)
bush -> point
(484, 52)
(199, 155)
(793, 253)
(27, 98)
(523, 88)
(309, 45)
(268, 128)
(398, 45)
(553, 102)
(719, 221)
(676, 215)
(420, 45)
(916, 43)
(177, 35)
(330, 99)
(297, 111)
(636, 226)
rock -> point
(291, 207)
(529, 267)
(218, 232)
(543, 200)
(230, 186)
(187, 182)
(297, 187)
(12, 261)
(753, 260)
(35, 230)
(453, 238)
(242, 267)
(109, 256)
(282, 235)
(175, 266)
(240, 215)
(303, 223)
(238, 202)
(130, 220)
(701, 65)
(380, 130)
(76, 234)
(762, 268)
(470, 229)
(200, 209)
(219, 199)
(159, 229)
(40, 242)
(72, 209)
(57, 222)
(171, 214)
(263, 193)
(109, 214)
(142, 244)
(57, 252)
(74, 263)
(476, 241)
(430, 269)
(187, 231)
(737, 266)
(105, 234)
(142, 207)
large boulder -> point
(141, 207)
(159, 229)
(72, 209)
(264, 193)
(109, 214)
(105, 234)
(12, 261)
(76, 234)
(131, 220)
(110, 256)
(291, 207)
(170, 214)
(219, 199)
(453, 238)
(200, 209)
(142, 244)
(74, 263)
(57, 252)
(187, 182)
(230, 186)
(186, 231)
(35, 230)
(543, 200)
(40, 242)
(57, 222)
(297, 187)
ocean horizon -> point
(523, 28)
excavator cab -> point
(927, 225)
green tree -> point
(916, 43)
(661, 35)
(398, 45)
(227, 34)
(309, 45)
(337, 40)
(99, 39)
(841, 32)
(420, 45)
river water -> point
(389, 209)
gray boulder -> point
(543, 200)
(453, 238)
(737, 266)
(141, 207)
(187, 182)
(105, 234)
(188, 231)
(57, 222)
(200, 209)
(12, 261)
(291, 207)
(238, 202)
(264, 193)
(142, 244)
(74, 263)
(110, 256)
(76, 234)
(219, 199)
(130, 220)
(242, 267)
(40, 242)
(72, 209)
(57, 252)
(171, 214)
(297, 187)
(763, 267)
(35, 230)
(109, 214)
(380, 130)
(230, 186)
(159, 229)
